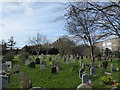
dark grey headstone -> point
(85, 78)
(54, 70)
(37, 61)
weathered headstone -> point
(84, 86)
(4, 81)
(92, 71)
(64, 59)
(16, 68)
(85, 78)
(43, 65)
(37, 61)
(105, 64)
(83, 66)
(4, 67)
(54, 70)
(81, 72)
(50, 58)
(112, 68)
(32, 64)
(9, 64)
(27, 62)
(81, 62)
(68, 61)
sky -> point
(26, 19)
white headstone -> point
(9, 64)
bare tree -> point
(109, 14)
(37, 41)
(82, 23)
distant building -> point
(113, 44)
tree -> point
(82, 23)
(11, 42)
(4, 47)
(109, 14)
(37, 41)
(64, 45)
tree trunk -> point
(92, 53)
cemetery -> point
(49, 72)
(57, 45)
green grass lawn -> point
(65, 77)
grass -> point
(64, 79)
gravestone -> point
(83, 66)
(92, 64)
(32, 64)
(84, 86)
(68, 61)
(64, 59)
(37, 61)
(50, 58)
(105, 64)
(81, 62)
(112, 68)
(27, 62)
(3, 82)
(16, 68)
(85, 78)
(53, 63)
(9, 64)
(81, 72)
(4, 67)
(92, 71)
(54, 70)
(58, 65)
(43, 65)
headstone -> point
(43, 65)
(4, 81)
(92, 64)
(112, 68)
(27, 62)
(85, 78)
(92, 71)
(83, 66)
(4, 67)
(84, 86)
(105, 64)
(16, 68)
(53, 63)
(37, 61)
(81, 62)
(50, 58)
(64, 59)
(32, 64)
(68, 61)
(9, 64)
(81, 72)
(54, 70)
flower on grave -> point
(116, 84)
(50, 64)
(107, 79)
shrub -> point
(23, 56)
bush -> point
(9, 56)
(23, 56)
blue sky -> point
(24, 20)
